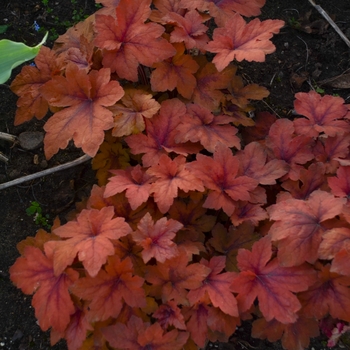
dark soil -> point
(308, 52)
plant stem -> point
(75, 162)
(330, 21)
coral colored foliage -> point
(85, 117)
(204, 215)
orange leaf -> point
(134, 180)
(217, 285)
(163, 8)
(298, 227)
(336, 246)
(90, 237)
(75, 334)
(340, 185)
(86, 116)
(128, 41)
(161, 133)
(129, 115)
(156, 239)
(253, 163)
(271, 283)
(109, 6)
(40, 239)
(121, 205)
(200, 125)
(34, 273)
(209, 83)
(227, 242)
(322, 113)
(169, 314)
(331, 150)
(340, 263)
(27, 85)
(241, 41)
(175, 276)
(223, 10)
(329, 295)
(127, 247)
(193, 216)
(197, 318)
(111, 288)
(219, 174)
(312, 178)
(170, 176)
(294, 150)
(294, 336)
(240, 94)
(137, 335)
(175, 73)
(189, 29)
(246, 211)
(218, 321)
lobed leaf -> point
(294, 336)
(86, 98)
(128, 41)
(216, 285)
(139, 335)
(34, 273)
(27, 86)
(322, 113)
(200, 125)
(110, 289)
(329, 294)
(161, 133)
(129, 115)
(271, 283)
(298, 227)
(171, 175)
(156, 239)
(175, 73)
(134, 180)
(241, 41)
(89, 237)
(219, 174)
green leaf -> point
(30, 211)
(3, 28)
(12, 54)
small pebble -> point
(30, 140)
(43, 164)
(36, 159)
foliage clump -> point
(200, 210)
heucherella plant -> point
(13, 53)
(202, 216)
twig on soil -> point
(271, 109)
(3, 158)
(52, 170)
(330, 21)
(307, 52)
(7, 137)
(329, 80)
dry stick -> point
(75, 162)
(7, 137)
(330, 21)
(3, 158)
